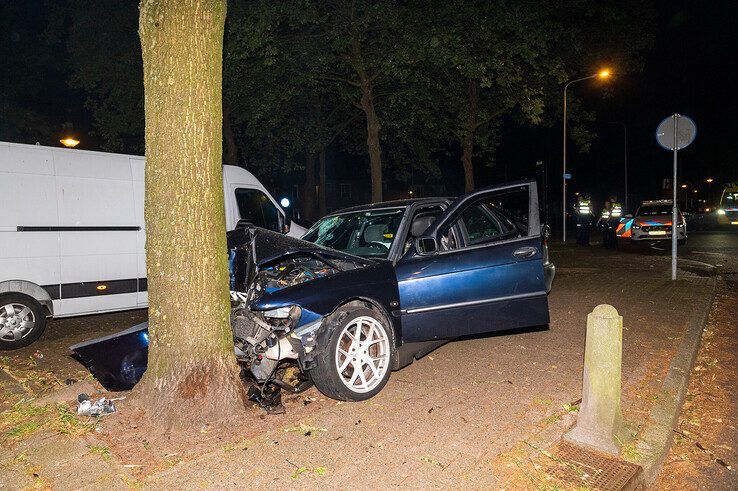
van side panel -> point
(29, 200)
(99, 267)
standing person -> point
(615, 214)
(604, 224)
(583, 214)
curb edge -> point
(656, 439)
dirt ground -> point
(705, 450)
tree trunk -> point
(308, 202)
(373, 125)
(467, 140)
(321, 186)
(230, 153)
(192, 376)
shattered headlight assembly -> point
(279, 313)
(284, 317)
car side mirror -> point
(426, 246)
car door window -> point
(256, 207)
(494, 217)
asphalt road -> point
(718, 248)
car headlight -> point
(680, 225)
(721, 212)
(636, 226)
(280, 313)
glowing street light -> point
(709, 189)
(602, 74)
(69, 142)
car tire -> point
(22, 320)
(336, 373)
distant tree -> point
(192, 375)
(104, 53)
(492, 62)
(105, 59)
(351, 47)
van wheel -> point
(357, 362)
(22, 320)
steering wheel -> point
(379, 245)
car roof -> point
(399, 203)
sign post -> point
(675, 133)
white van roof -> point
(24, 161)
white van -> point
(72, 233)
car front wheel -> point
(358, 360)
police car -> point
(652, 221)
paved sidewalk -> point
(458, 416)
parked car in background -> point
(370, 289)
(72, 233)
(652, 221)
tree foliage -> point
(403, 85)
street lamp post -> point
(709, 190)
(601, 74)
(625, 158)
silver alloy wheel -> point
(363, 354)
(16, 321)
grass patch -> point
(22, 430)
(101, 450)
(26, 418)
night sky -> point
(691, 69)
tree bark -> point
(192, 375)
(308, 202)
(322, 183)
(373, 125)
(470, 128)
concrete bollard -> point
(600, 419)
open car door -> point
(478, 268)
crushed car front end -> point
(283, 293)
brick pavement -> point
(449, 418)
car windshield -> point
(651, 210)
(367, 234)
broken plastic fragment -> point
(85, 407)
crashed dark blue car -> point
(369, 289)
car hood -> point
(653, 221)
(275, 261)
